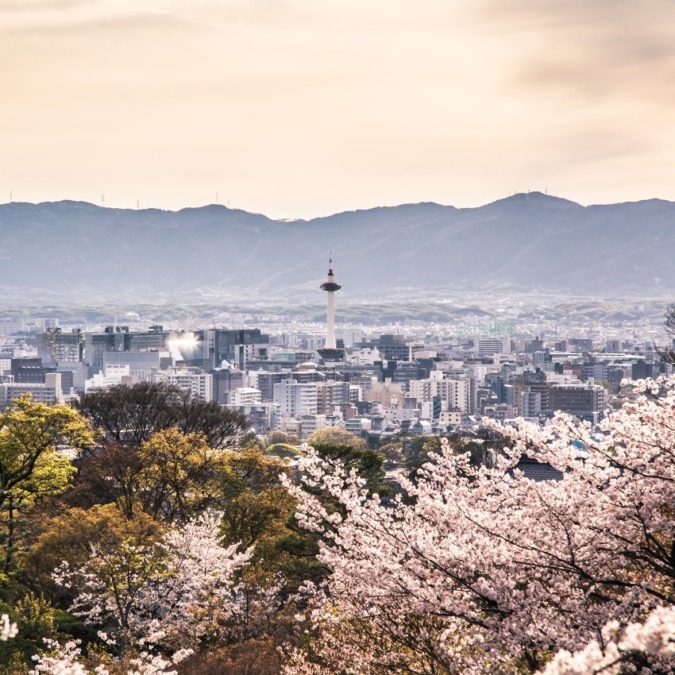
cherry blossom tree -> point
(67, 659)
(655, 638)
(7, 628)
(173, 591)
(477, 568)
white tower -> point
(330, 352)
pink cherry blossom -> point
(479, 568)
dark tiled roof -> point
(538, 471)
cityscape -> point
(418, 379)
(337, 338)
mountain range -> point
(77, 252)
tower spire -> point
(330, 351)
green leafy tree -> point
(335, 436)
(37, 619)
(171, 476)
(278, 436)
(37, 442)
(180, 474)
(255, 505)
(283, 451)
(69, 537)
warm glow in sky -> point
(297, 108)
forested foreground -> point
(145, 532)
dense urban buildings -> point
(371, 383)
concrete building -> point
(141, 364)
(296, 398)
(29, 370)
(332, 396)
(49, 391)
(452, 417)
(237, 347)
(112, 375)
(245, 396)
(119, 339)
(199, 384)
(55, 346)
(226, 380)
(488, 346)
(393, 347)
(349, 336)
(387, 394)
(265, 381)
(585, 401)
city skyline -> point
(298, 109)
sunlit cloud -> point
(296, 108)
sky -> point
(301, 108)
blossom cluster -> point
(472, 568)
(157, 598)
(655, 637)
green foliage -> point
(282, 451)
(36, 619)
(256, 509)
(171, 476)
(278, 436)
(297, 555)
(254, 518)
(392, 451)
(335, 436)
(35, 442)
(70, 536)
(179, 474)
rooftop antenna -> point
(11, 196)
(137, 205)
(102, 199)
(217, 198)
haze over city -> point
(303, 108)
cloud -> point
(29, 16)
(386, 99)
(598, 49)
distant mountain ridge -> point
(76, 251)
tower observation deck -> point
(330, 352)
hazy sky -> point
(296, 108)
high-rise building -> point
(55, 346)
(119, 339)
